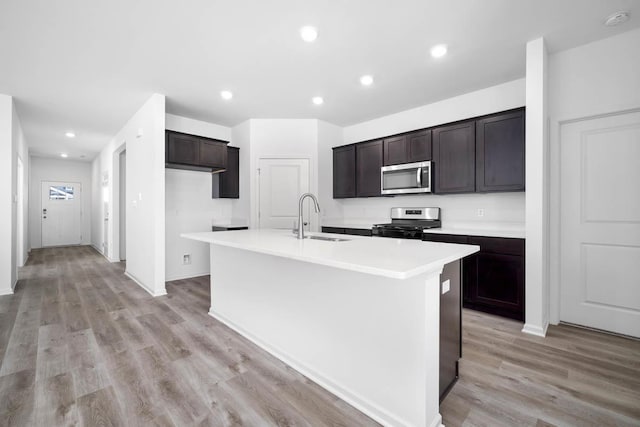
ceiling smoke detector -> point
(617, 19)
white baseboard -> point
(186, 276)
(535, 329)
(6, 291)
(372, 410)
(152, 293)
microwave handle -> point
(419, 176)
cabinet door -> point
(358, 231)
(335, 230)
(450, 327)
(395, 150)
(500, 152)
(454, 158)
(368, 164)
(183, 149)
(419, 146)
(344, 172)
(495, 277)
(213, 153)
(500, 283)
(229, 179)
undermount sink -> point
(327, 239)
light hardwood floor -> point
(82, 344)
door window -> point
(60, 193)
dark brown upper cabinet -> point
(454, 157)
(344, 172)
(419, 146)
(368, 163)
(500, 152)
(184, 151)
(395, 150)
(182, 148)
(226, 185)
(408, 148)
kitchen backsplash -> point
(505, 209)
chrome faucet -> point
(300, 223)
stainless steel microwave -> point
(406, 178)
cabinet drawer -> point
(335, 230)
(445, 238)
(358, 231)
(499, 245)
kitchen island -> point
(359, 316)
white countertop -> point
(395, 258)
(229, 223)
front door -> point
(600, 223)
(281, 183)
(61, 213)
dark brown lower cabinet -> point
(450, 327)
(493, 279)
(352, 231)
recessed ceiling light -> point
(366, 80)
(70, 135)
(617, 19)
(308, 33)
(439, 50)
(317, 100)
(65, 155)
(225, 94)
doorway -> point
(61, 217)
(20, 220)
(281, 182)
(599, 217)
(122, 206)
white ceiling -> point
(87, 66)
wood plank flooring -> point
(572, 377)
(81, 344)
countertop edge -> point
(464, 251)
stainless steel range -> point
(408, 223)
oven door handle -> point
(419, 177)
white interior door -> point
(61, 213)
(281, 183)
(600, 223)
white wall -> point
(6, 202)
(485, 101)
(49, 169)
(598, 78)
(22, 152)
(329, 136)
(241, 138)
(143, 136)
(537, 212)
(12, 147)
(506, 209)
(189, 206)
(282, 138)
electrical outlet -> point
(446, 286)
(186, 259)
(480, 213)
